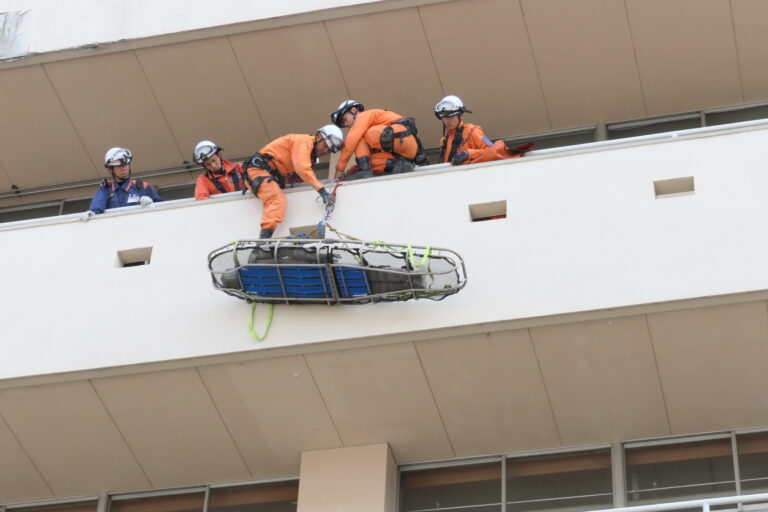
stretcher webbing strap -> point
(424, 259)
(254, 334)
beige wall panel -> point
(293, 74)
(584, 54)
(71, 439)
(351, 479)
(202, 92)
(271, 429)
(487, 63)
(750, 19)
(38, 142)
(380, 394)
(386, 62)
(19, 479)
(686, 54)
(173, 428)
(712, 362)
(111, 104)
(602, 380)
(490, 393)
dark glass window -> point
(753, 462)
(186, 502)
(558, 483)
(272, 497)
(470, 488)
(685, 471)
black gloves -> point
(460, 158)
(327, 198)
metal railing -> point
(705, 504)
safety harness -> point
(219, 185)
(260, 161)
(458, 139)
(388, 137)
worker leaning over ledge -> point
(382, 141)
(466, 143)
(265, 172)
(220, 175)
(122, 190)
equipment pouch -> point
(387, 139)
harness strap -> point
(216, 183)
(458, 139)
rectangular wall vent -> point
(673, 187)
(134, 257)
(488, 211)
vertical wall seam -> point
(658, 374)
(23, 449)
(535, 64)
(250, 91)
(159, 106)
(322, 399)
(226, 427)
(120, 432)
(637, 61)
(546, 388)
(434, 400)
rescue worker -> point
(220, 175)
(122, 190)
(266, 171)
(465, 143)
(382, 141)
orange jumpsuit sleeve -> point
(477, 142)
(201, 188)
(301, 158)
(355, 135)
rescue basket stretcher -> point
(331, 271)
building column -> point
(354, 479)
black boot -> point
(363, 169)
(266, 233)
(402, 165)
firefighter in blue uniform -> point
(122, 190)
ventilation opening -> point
(304, 231)
(673, 187)
(488, 211)
(134, 257)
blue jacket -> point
(112, 195)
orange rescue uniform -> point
(364, 139)
(230, 181)
(477, 145)
(289, 154)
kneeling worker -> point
(265, 172)
(382, 141)
(220, 175)
(465, 143)
(122, 190)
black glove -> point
(460, 158)
(327, 198)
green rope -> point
(424, 258)
(269, 322)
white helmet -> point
(332, 136)
(450, 106)
(204, 150)
(117, 156)
(338, 115)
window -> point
(681, 471)
(560, 483)
(272, 497)
(753, 462)
(467, 488)
(174, 502)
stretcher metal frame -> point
(339, 283)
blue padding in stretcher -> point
(299, 281)
(351, 282)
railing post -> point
(705, 507)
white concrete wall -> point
(584, 232)
(56, 25)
